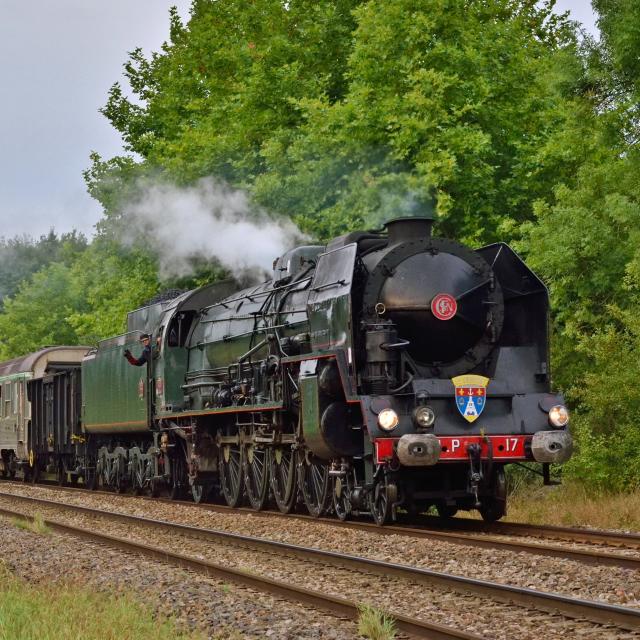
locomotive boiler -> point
(385, 370)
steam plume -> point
(208, 220)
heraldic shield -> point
(471, 395)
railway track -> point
(471, 533)
(487, 541)
(336, 606)
(516, 597)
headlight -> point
(388, 419)
(558, 416)
(424, 417)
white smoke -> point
(209, 220)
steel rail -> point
(600, 613)
(586, 556)
(333, 605)
(586, 534)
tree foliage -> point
(77, 302)
(587, 246)
(38, 315)
(21, 257)
(112, 281)
(334, 112)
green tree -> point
(619, 23)
(22, 256)
(586, 244)
(332, 111)
(457, 96)
(38, 314)
(111, 280)
(228, 80)
(78, 301)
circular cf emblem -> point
(444, 306)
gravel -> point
(569, 577)
(221, 610)
(491, 619)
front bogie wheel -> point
(61, 475)
(383, 499)
(90, 479)
(199, 493)
(178, 477)
(494, 506)
(341, 502)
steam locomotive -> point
(385, 370)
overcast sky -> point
(58, 61)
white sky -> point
(57, 62)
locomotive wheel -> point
(155, 487)
(313, 481)
(446, 511)
(61, 475)
(120, 474)
(90, 479)
(9, 470)
(231, 480)
(199, 493)
(282, 463)
(256, 476)
(384, 495)
(148, 480)
(178, 478)
(137, 474)
(102, 469)
(494, 506)
(34, 472)
(341, 502)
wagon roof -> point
(35, 363)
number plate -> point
(511, 447)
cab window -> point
(179, 329)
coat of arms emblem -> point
(471, 395)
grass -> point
(67, 612)
(572, 504)
(37, 525)
(374, 624)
